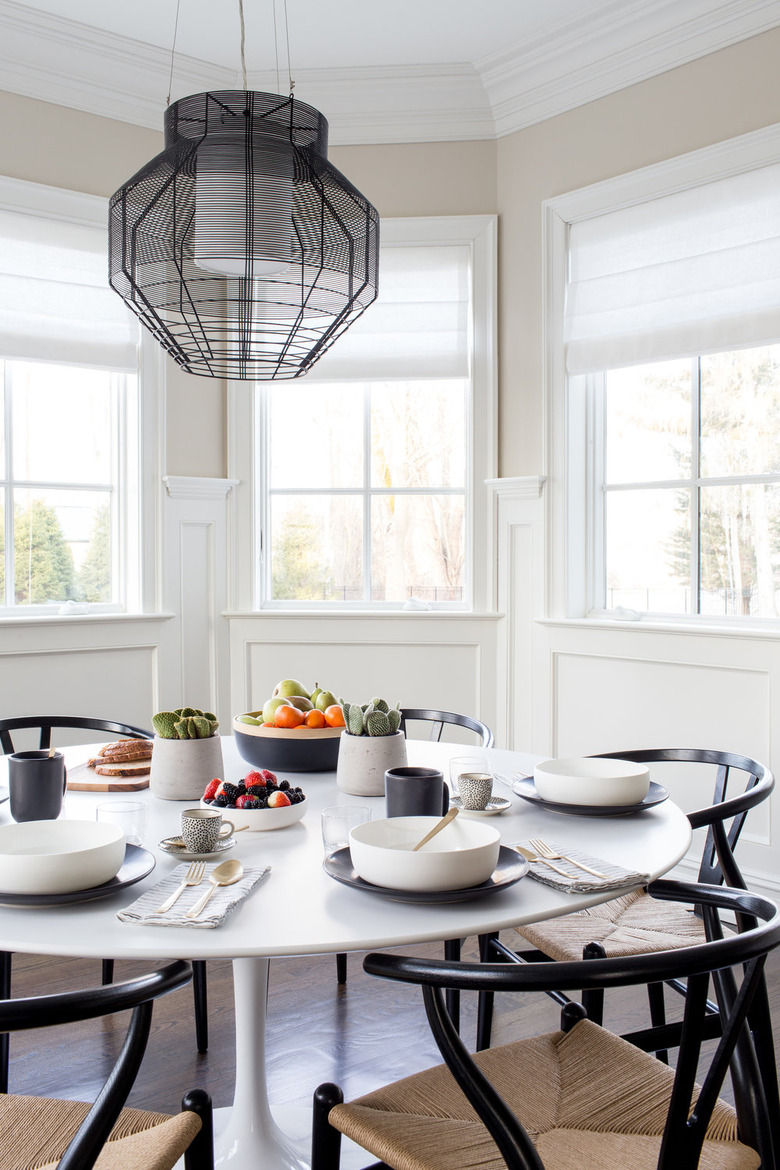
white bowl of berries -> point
(258, 802)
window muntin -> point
(62, 479)
(690, 487)
(366, 493)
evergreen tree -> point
(43, 563)
(299, 574)
(94, 577)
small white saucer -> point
(168, 846)
(496, 805)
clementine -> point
(287, 716)
(334, 716)
(314, 719)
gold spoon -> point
(445, 820)
(224, 875)
(529, 856)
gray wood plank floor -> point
(361, 1035)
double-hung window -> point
(69, 424)
(369, 472)
(672, 395)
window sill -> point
(363, 614)
(75, 619)
(654, 626)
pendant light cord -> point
(173, 50)
(289, 62)
(243, 41)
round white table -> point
(300, 910)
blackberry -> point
(284, 785)
(221, 801)
(262, 802)
(230, 791)
(253, 803)
(256, 790)
(241, 787)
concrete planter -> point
(364, 759)
(181, 768)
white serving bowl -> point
(260, 820)
(592, 780)
(463, 854)
(58, 857)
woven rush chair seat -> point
(586, 1098)
(35, 1131)
(633, 924)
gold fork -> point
(548, 854)
(193, 877)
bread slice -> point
(121, 768)
(127, 749)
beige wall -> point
(712, 99)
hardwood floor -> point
(361, 1035)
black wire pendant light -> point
(240, 247)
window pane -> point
(648, 421)
(740, 550)
(418, 434)
(648, 550)
(316, 548)
(316, 435)
(417, 547)
(61, 423)
(61, 546)
(740, 412)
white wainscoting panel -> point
(446, 662)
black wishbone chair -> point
(54, 1134)
(635, 923)
(44, 724)
(580, 1097)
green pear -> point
(324, 699)
(288, 687)
(269, 710)
(315, 693)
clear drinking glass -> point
(130, 815)
(336, 823)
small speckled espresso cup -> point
(202, 828)
(476, 789)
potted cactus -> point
(370, 744)
(188, 753)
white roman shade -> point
(417, 328)
(692, 272)
(55, 301)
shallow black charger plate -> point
(510, 868)
(526, 788)
(137, 864)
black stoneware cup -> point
(36, 784)
(415, 792)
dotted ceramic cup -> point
(202, 828)
(476, 789)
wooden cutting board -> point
(85, 779)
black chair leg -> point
(593, 1000)
(200, 1153)
(655, 998)
(199, 995)
(341, 968)
(108, 972)
(452, 998)
(325, 1140)
(761, 1026)
(5, 993)
(485, 998)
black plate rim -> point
(139, 861)
(525, 788)
(507, 859)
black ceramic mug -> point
(36, 784)
(415, 792)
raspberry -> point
(211, 789)
(278, 800)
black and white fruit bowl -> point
(299, 749)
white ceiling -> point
(413, 70)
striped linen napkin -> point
(222, 903)
(574, 880)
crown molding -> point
(616, 46)
(66, 63)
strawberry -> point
(268, 776)
(278, 800)
(254, 779)
(211, 789)
(245, 801)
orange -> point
(334, 716)
(314, 719)
(286, 716)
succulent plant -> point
(185, 723)
(374, 718)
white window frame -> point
(246, 439)
(140, 433)
(572, 434)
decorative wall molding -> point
(575, 61)
(196, 487)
